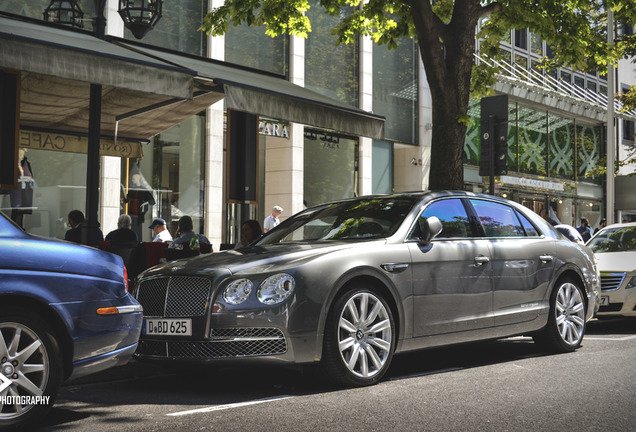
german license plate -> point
(168, 327)
(604, 301)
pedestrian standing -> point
(272, 220)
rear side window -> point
(452, 214)
(498, 220)
(531, 231)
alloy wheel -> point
(24, 367)
(570, 314)
(364, 335)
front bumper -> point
(616, 298)
(264, 335)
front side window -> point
(498, 220)
(452, 214)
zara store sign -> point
(273, 129)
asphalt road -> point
(507, 385)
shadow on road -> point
(611, 326)
(149, 384)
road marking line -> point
(610, 338)
(229, 406)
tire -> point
(30, 365)
(359, 338)
(566, 322)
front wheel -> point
(566, 323)
(30, 368)
(359, 338)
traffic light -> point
(494, 136)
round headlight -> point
(275, 289)
(238, 291)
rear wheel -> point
(359, 338)
(30, 368)
(566, 323)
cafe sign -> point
(77, 144)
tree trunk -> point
(447, 53)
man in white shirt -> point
(272, 220)
(158, 226)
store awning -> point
(146, 91)
(272, 96)
(57, 66)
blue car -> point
(65, 312)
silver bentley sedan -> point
(348, 284)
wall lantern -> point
(140, 16)
(64, 12)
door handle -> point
(481, 260)
(546, 258)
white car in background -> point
(615, 249)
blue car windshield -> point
(363, 219)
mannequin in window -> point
(22, 198)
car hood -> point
(33, 253)
(617, 261)
(268, 258)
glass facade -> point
(541, 143)
(330, 69)
(56, 185)
(532, 141)
(177, 28)
(395, 87)
(330, 167)
(560, 137)
(168, 182)
(250, 46)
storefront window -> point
(52, 184)
(533, 149)
(382, 159)
(395, 89)
(177, 28)
(330, 69)
(250, 46)
(330, 167)
(588, 150)
(561, 149)
(169, 181)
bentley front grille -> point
(176, 296)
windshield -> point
(619, 239)
(362, 219)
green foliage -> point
(628, 99)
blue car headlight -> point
(276, 289)
(238, 291)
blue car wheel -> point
(30, 368)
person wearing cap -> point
(272, 220)
(158, 226)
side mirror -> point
(429, 228)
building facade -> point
(556, 135)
